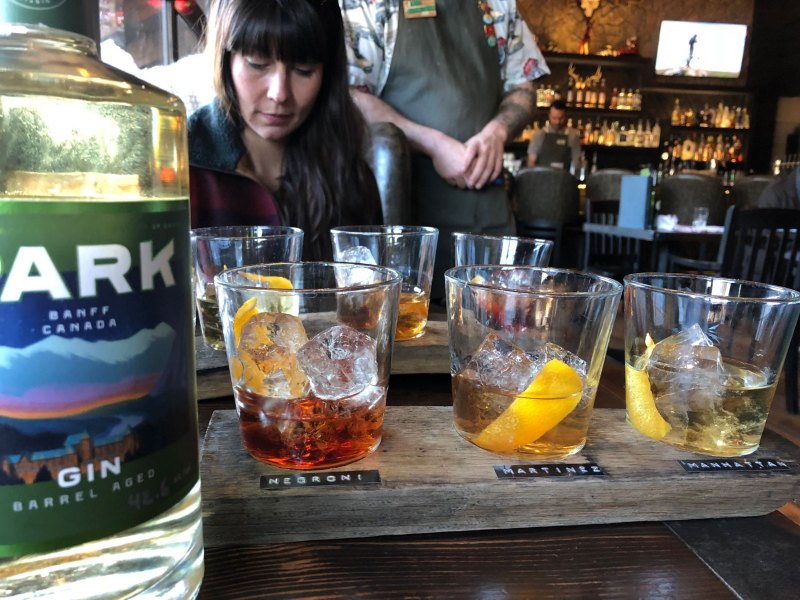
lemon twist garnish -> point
(639, 400)
(250, 308)
(549, 398)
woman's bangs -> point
(293, 36)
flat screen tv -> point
(695, 49)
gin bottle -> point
(99, 474)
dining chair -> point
(760, 244)
(747, 190)
(606, 184)
(388, 154)
(610, 255)
(547, 206)
(681, 193)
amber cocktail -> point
(527, 347)
(409, 250)
(310, 386)
(215, 249)
(703, 357)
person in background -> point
(456, 77)
(556, 144)
(784, 192)
(281, 143)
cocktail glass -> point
(310, 390)
(215, 249)
(527, 347)
(408, 249)
(479, 249)
(702, 358)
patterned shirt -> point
(371, 31)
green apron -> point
(457, 91)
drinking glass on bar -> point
(410, 250)
(527, 346)
(310, 389)
(215, 249)
(703, 356)
(479, 249)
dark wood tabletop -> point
(754, 557)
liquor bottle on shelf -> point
(579, 94)
(570, 99)
(590, 96)
(97, 336)
(613, 103)
(602, 99)
(675, 118)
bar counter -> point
(752, 557)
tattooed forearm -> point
(516, 109)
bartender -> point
(556, 145)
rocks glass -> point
(410, 250)
(527, 346)
(217, 248)
(479, 249)
(702, 358)
(309, 380)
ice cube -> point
(266, 353)
(500, 364)
(358, 254)
(356, 276)
(512, 279)
(339, 362)
(687, 359)
(555, 352)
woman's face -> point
(275, 98)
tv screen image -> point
(695, 49)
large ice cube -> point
(358, 254)
(500, 364)
(687, 360)
(266, 353)
(356, 276)
(339, 362)
(687, 374)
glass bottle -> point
(99, 471)
(675, 119)
(602, 94)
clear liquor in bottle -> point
(97, 346)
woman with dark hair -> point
(281, 143)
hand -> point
(487, 147)
(452, 160)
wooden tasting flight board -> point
(432, 480)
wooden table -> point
(661, 241)
(755, 557)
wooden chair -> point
(546, 206)
(761, 244)
(607, 254)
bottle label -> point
(98, 420)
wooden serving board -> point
(432, 480)
(426, 354)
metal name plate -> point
(548, 470)
(733, 465)
(296, 480)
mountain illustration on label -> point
(73, 376)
